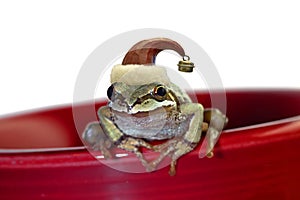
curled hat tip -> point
(145, 51)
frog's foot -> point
(174, 148)
(133, 145)
(182, 148)
(105, 147)
(153, 166)
(164, 149)
(216, 121)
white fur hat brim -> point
(133, 74)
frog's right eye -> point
(159, 92)
(110, 91)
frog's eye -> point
(110, 91)
(159, 92)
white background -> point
(43, 44)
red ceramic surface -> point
(253, 162)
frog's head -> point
(134, 99)
(138, 85)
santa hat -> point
(138, 66)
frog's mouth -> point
(150, 105)
(141, 114)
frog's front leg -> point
(118, 138)
(179, 146)
(216, 120)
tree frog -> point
(152, 110)
(137, 114)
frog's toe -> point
(107, 154)
(150, 168)
(210, 154)
(172, 171)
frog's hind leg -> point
(97, 140)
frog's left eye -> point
(159, 92)
(110, 91)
